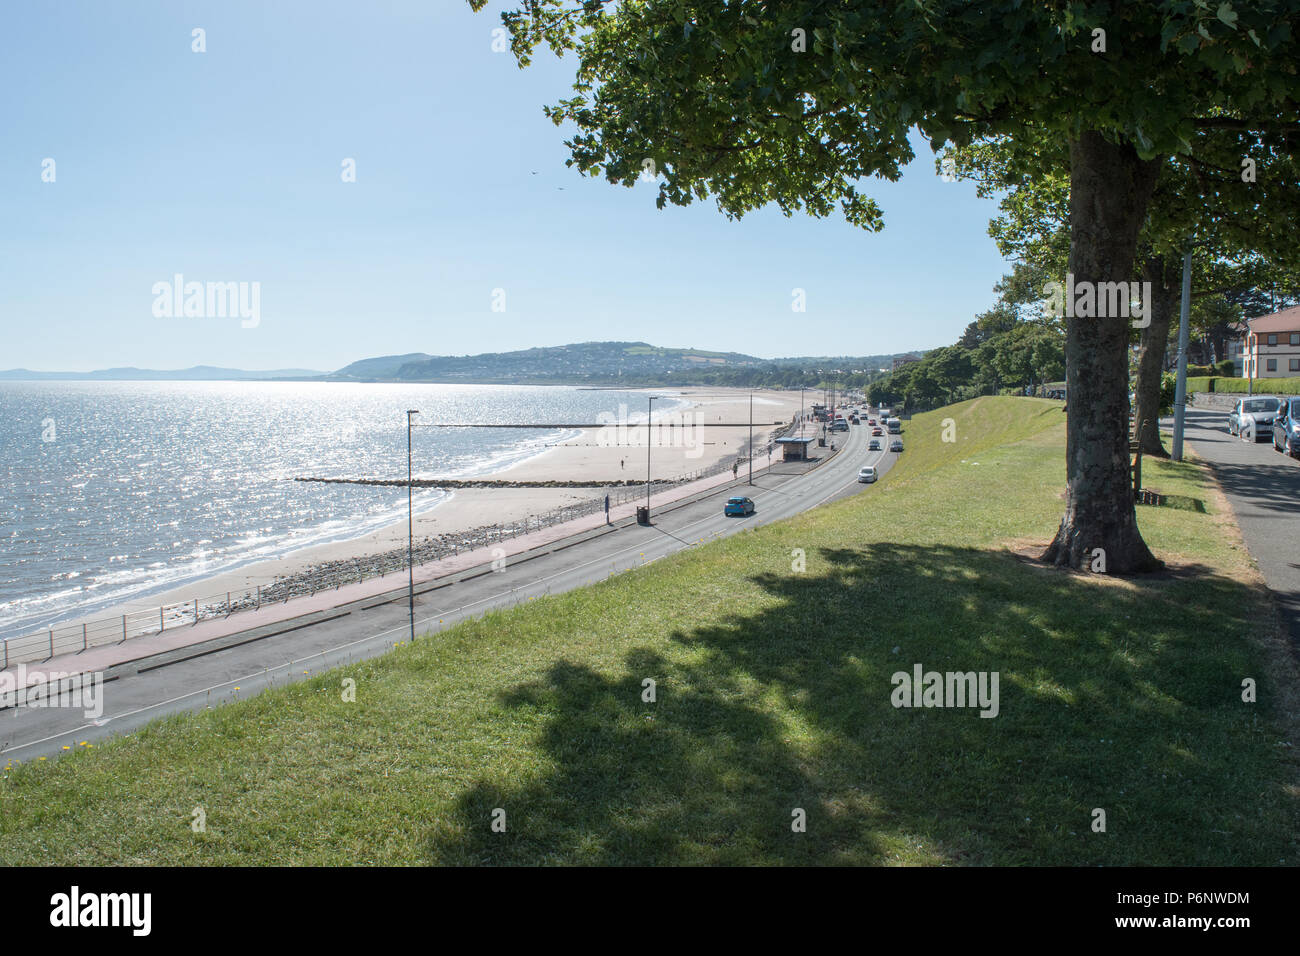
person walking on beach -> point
(621, 463)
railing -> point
(329, 575)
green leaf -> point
(1228, 15)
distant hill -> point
(199, 373)
(630, 364)
(615, 363)
(383, 368)
(593, 362)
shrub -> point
(1262, 386)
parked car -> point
(877, 430)
(1286, 427)
(866, 474)
(873, 445)
(738, 505)
(1252, 417)
(896, 445)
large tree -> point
(1237, 220)
(794, 102)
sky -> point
(228, 166)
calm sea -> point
(111, 490)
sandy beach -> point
(713, 428)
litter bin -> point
(642, 514)
(821, 443)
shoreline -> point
(598, 458)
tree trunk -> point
(1110, 187)
(1165, 276)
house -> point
(1270, 345)
(904, 360)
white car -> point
(1252, 417)
(867, 474)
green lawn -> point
(773, 693)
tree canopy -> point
(794, 103)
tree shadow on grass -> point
(1118, 696)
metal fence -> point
(70, 638)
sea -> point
(111, 491)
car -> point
(1286, 427)
(854, 420)
(896, 445)
(873, 445)
(877, 430)
(871, 421)
(738, 505)
(1252, 417)
(839, 425)
(866, 474)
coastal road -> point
(131, 699)
(1263, 487)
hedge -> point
(1240, 386)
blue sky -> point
(225, 166)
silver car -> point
(1252, 417)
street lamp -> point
(649, 413)
(1253, 360)
(410, 528)
(751, 436)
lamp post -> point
(649, 413)
(1180, 376)
(751, 436)
(1250, 362)
(410, 528)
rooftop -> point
(1288, 320)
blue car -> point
(738, 505)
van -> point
(894, 425)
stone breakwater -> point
(331, 575)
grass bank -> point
(773, 693)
